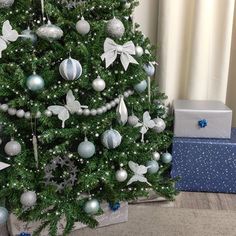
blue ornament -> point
(153, 167)
(149, 69)
(3, 215)
(111, 139)
(70, 69)
(202, 123)
(114, 207)
(29, 35)
(86, 149)
(35, 82)
(166, 158)
(141, 87)
(24, 234)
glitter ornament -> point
(115, 28)
(156, 156)
(121, 175)
(70, 69)
(28, 199)
(35, 82)
(82, 26)
(49, 32)
(160, 125)
(86, 149)
(152, 166)
(141, 87)
(133, 120)
(12, 148)
(6, 3)
(92, 206)
(111, 139)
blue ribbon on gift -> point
(202, 123)
(114, 207)
(24, 234)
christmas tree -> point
(81, 121)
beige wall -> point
(146, 15)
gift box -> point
(205, 165)
(109, 217)
(202, 119)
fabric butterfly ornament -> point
(139, 171)
(72, 106)
(8, 35)
(147, 124)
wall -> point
(146, 15)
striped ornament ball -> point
(111, 139)
(70, 69)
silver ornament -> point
(29, 35)
(104, 109)
(35, 82)
(27, 115)
(4, 107)
(86, 149)
(152, 166)
(70, 69)
(92, 206)
(166, 158)
(79, 112)
(141, 87)
(3, 215)
(149, 69)
(122, 112)
(156, 156)
(93, 112)
(11, 111)
(133, 120)
(138, 51)
(115, 28)
(108, 106)
(99, 111)
(126, 94)
(49, 32)
(28, 199)
(121, 175)
(99, 84)
(38, 114)
(160, 125)
(82, 26)
(111, 139)
(86, 112)
(20, 113)
(6, 3)
(117, 100)
(48, 113)
(12, 148)
(127, 5)
(113, 103)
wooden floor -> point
(193, 200)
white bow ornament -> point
(111, 51)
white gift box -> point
(109, 217)
(202, 119)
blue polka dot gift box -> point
(205, 165)
(202, 119)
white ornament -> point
(147, 124)
(111, 51)
(82, 26)
(6, 3)
(72, 106)
(160, 125)
(70, 69)
(12, 148)
(139, 171)
(133, 120)
(20, 113)
(139, 51)
(28, 199)
(8, 35)
(121, 175)
(3, 165)
(156, 156)
(122, 112)
(115, 28)
(99, 84)
(111, 139)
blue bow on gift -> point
(24, 234)
(202, 123)
(114, 207)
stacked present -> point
(204, 147)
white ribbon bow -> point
(111, 50)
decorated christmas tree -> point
(81, 121)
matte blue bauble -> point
(166, 157)
(86, 149)
(141, 87)
(149, 69)
(3, 215)
(153, 167)
(35, 82)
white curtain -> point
(195, 48)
